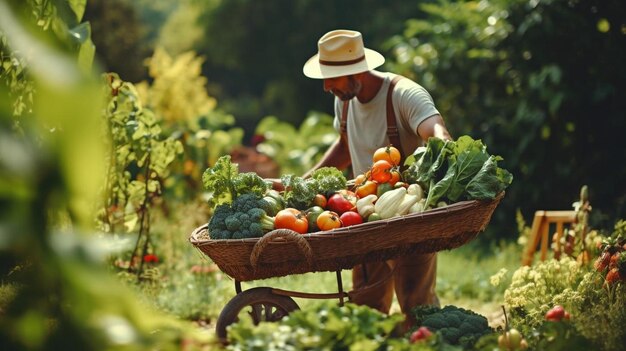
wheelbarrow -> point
(283, 252)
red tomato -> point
(420, 334)
(381, 171)
(328, 220)
(395, 177)
(291, 218)
(387, 153)
(350, 218)
(556, 313)
(342, 201)
(320, 200)
(367, 188)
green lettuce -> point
(457, 170)
(225, 183)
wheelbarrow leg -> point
(340, 287)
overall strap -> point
(392, 128)
(344, 122)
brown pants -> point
(412, 277)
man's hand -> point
(433, 126)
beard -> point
(354, 87)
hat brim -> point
(313, 69)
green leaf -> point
(489, 181)
(419, 171)
(471, 155)
(439, 189)
(250, 182)
(218, 180)
(78, 7)
(86, 55)
(432, 164)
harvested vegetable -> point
(300, 193)
(225, 183)
(452, 171)
(388, 203)
(243, 218)
(365, 205)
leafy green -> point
(225, 183)
(470, 157)
(421, 171)
(299, 192)
(328, 180)
(489, 181)
(456, 170)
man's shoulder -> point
(406, 83)
(408, 88)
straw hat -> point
(341, 53)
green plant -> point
(599, 312)
(138, 160)
(296, 149)
(177, 94)
(597, 309)
(327, 327)
(492, 74)
(534, 290)
(560, 336)
(62, 21)
(49, 183)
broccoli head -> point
(456, 325)
(245, 217)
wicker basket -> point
(283, 252)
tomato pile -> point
(385, 172)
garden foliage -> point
(597, 309)
(495, 73)
(49, 181)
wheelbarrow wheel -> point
(264, 306)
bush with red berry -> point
(612, 260)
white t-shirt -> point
(367, 123)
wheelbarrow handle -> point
(284, 234)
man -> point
(362, 95)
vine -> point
(137, 166)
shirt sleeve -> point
(414, 103)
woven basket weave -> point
(283, 252)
